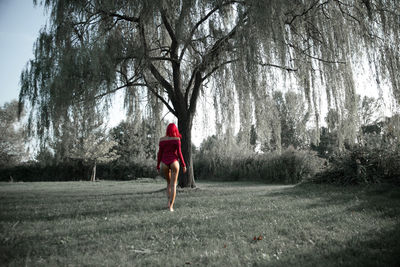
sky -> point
(20, 23)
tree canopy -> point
(12, 136)
(168, 52)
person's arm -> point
(180, 154)
(159, 154)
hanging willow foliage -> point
(170, 48)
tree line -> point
(84, 147)
(78, 147)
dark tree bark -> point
(185, 128)
(93, 176)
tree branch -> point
(198, 80)
(161, 79)
(164, 83)
(206, 59)
(162, 59)
(120, 17)
(168, 27)
(197, 25)
(195, 93)
(346, 13)
(325, 60)
(146, 84)
(305, 11)
(118, 88)
(314, 57)
(189, 85)
(175, 62)
(160, 97)
(217, 67)
(276, 66)
(214, 51)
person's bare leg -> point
(169, 188)
(174, 178)
(167, 174)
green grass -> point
(127, 224)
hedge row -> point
(289, 167)
(75, 171)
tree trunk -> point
(185, 128)
(93, 177)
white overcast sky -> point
(20, 23)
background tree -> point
(327, 144)
(84, 137)
(134, 141)
(368, 108)
(93, 149)
(12, 136)
(167, 50)
(370, 119)
(293, 119)
(45, 157)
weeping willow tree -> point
(168, 50)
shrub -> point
(75, 171)
(370, 163)
(124, 171)
(32, 171)
(290, 166)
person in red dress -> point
(169, 154)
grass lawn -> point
(127, 224)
